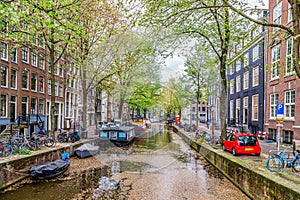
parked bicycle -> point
(276, 162)
(43, 140)
(66, 136)
(6, 149)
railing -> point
(27, 119)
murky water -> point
(159, 165)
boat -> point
(139, 129)
(49, 169)
(119, 135)
(86, 150)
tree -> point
(52, 22)
(206, 21)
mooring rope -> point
(16, 172)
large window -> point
(289, 60)
(245, 110)
(3, 76)
(25, 54)
(255, 53)
(41, 106)
(237, 110)
(238, 64)
(42, 61)
(34, 58)
(24, 79)
(231, 86)
(61, 86)
(277, 12)
(246, 60)
(290, 15)
(246, 80)
(33, 81)
(49, 86)
(273, 103)
(41, 84)
(13, 55)
(255, 107)
(33, 105)
(13, 78)
(289, 103)
(238, 83)
(4, 51)
(255, 74)
(231, 109)
(3, 105)
(275, 62)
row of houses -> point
(261, 76)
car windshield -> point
(247, 140)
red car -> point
(241, 143)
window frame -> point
(289, 104)
(273, 103)
(255, 107)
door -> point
(13, 108)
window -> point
(245, 110)
(277, 15)
(33, 105)
(238, 65)
(288, 136)
(24, 79)
(41, 84)
(49, 86)
(246, 80)
(289, 103)
(255, 107)
(33, 81)
(231, 86)
(56, 88)
(246, 60)
(238, 83)
(273, 103)
(13, 55)
(231, 68)
(13, 78)
(42, 44)
(25, 54)
(3, 105)
(275, 62)
(237, 110)
(4, 51)
(255, 74)
(231, 109)
(41, 106)
(3, 76)
(42, 62)
(289, 60)
(112, 135)
(290, 16)
(34, 58)
(255, 53)
(61, 86)
(3, 26)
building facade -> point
(283, 85)
(245, 75)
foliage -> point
(24, 151)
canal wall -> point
(15, 167)
(253, 181)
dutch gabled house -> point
(282, 84)
(246, 85)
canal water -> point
(158, 165)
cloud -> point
(173, 67)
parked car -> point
(243, 143)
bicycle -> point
(275, 163)
(6, 149)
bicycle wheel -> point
(49, 142)
(296, 165)
(275, 163)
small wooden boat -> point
(86, 150)
(49, 169)
(120, 136)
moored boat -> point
(49, 169)
(120, 136)
(86, 150)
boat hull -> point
(49, 170)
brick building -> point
(282, 84)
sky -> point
(174, 65)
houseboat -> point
(120, 136)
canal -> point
(158, 165)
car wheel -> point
(234, 152)
(257, 154)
